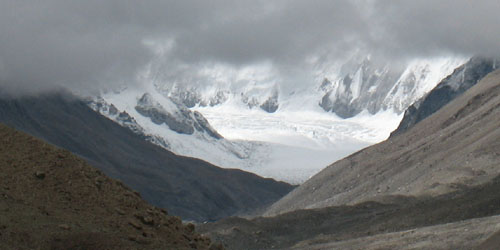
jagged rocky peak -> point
(191, 96)
(359, 86)
(220, 97)
(253, 95)
(124, 119)
(263, 97)
(176, 116)
(375, 87)
(462, 79)
(100, 105)
(271, 104)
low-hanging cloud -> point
(87, 45)
(427, 27)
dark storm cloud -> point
(93, 43)
(84, 44)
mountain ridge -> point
(418, 163)
(462, 78)
(187, 187)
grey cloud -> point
(427, 27)
(93, 43)
(84, 45)
(285, 33)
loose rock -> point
(40, 174)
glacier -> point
(274, 131)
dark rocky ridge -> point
(124, 119)
(462, 79)
(51, 199)
(182, 120)
(187, 187)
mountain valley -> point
(306, 123)
(249, 125)
(435, 179)
(187, 187)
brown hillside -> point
(455, 148)
(51, 199)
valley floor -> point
(459, 220)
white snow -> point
(299, 139)
(356, 84)
(288, 145)
(299, 144)
(427, 73)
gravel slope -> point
(456, 147)
(51, 199)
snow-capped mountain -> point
(166, 123)
(345, 89)
(374, 88)
(462, 79)
(274, 131)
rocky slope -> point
(462, 78)
(433, 187)
(187, 187)
(459, 220)
(456, 147)
(51, 199)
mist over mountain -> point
(360, 124)
(432, 186)
(87, 46)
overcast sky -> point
(89, 44)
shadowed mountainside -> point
(187, 187)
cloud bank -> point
(88, 45)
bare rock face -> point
(271, 104)
(124, 119)
(363, 85)
(177, 117)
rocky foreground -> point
(51, 199)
